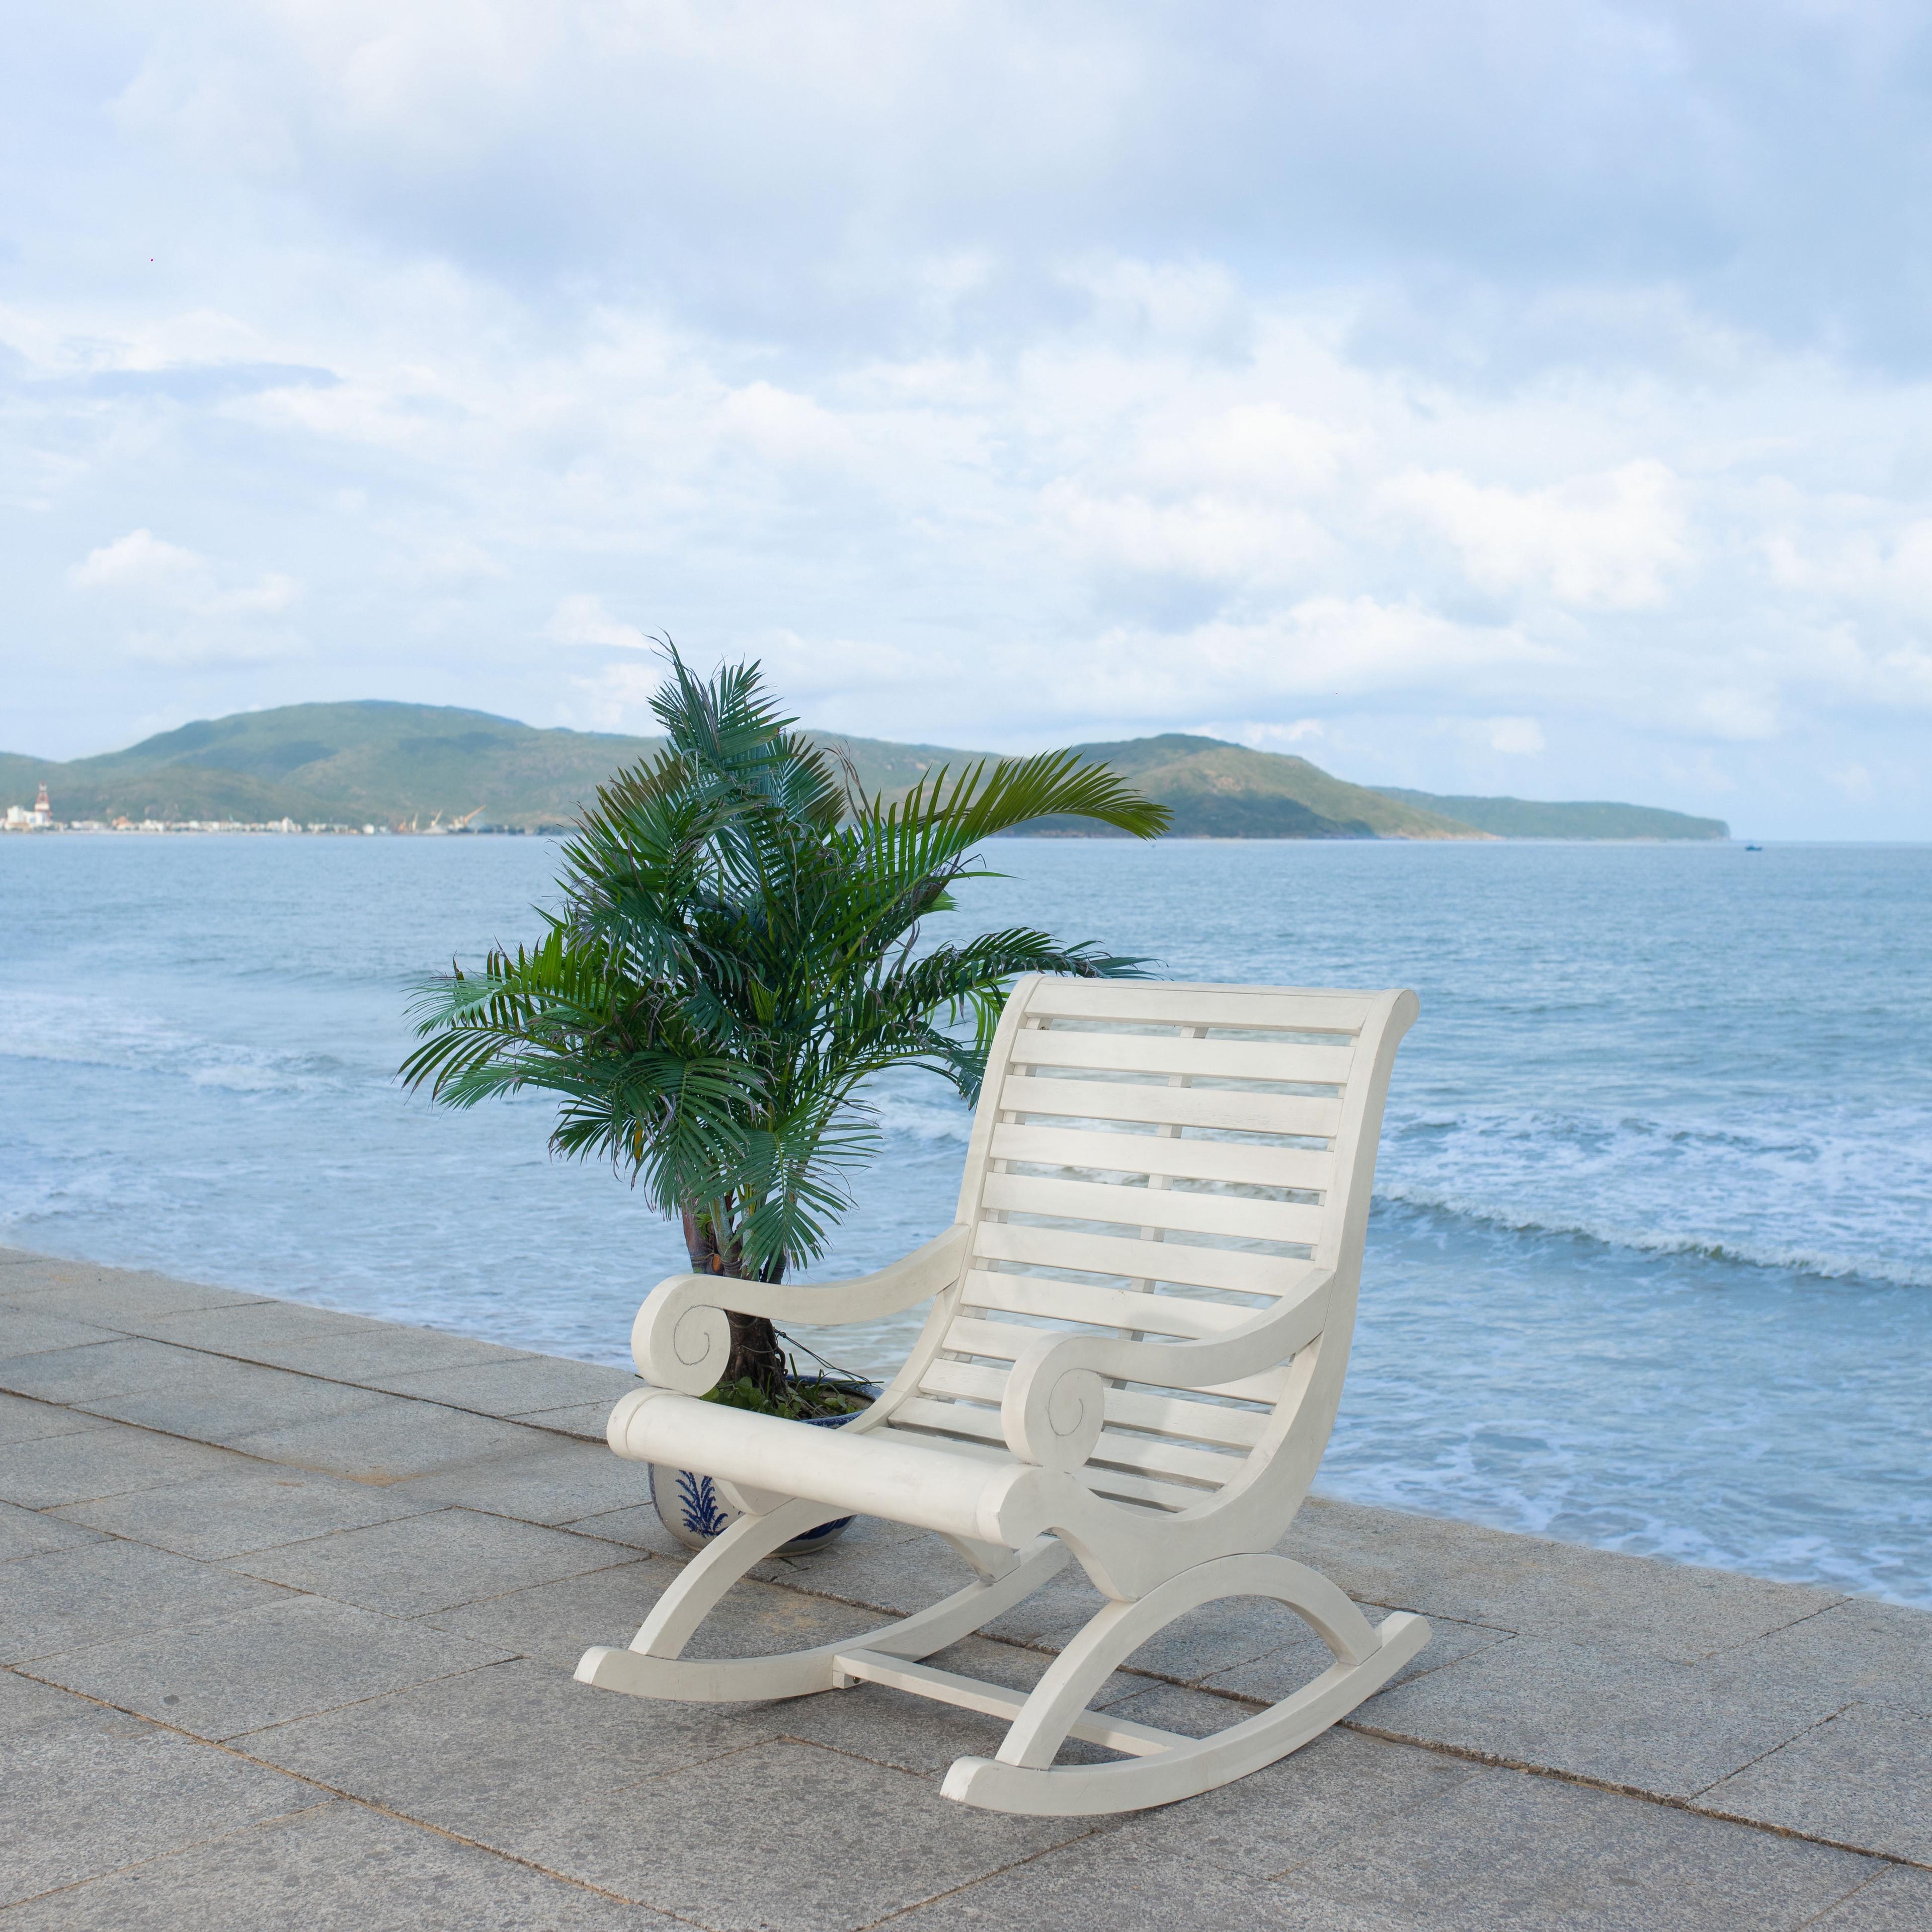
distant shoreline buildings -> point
(39, 816)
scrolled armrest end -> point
(1054, 1405)
(679, 1341)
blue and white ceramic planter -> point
(691, 1507)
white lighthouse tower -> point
(43, 812)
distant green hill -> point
(1219, 790)
(391, 764)
(420, 765)
(1529, 818)
(372, 761)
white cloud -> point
(1737, 714)
(270, 594)
(784, 427)
(140, 561)
(1303, 732)
(1255, 446)
(184, 609)
(1855, 782)
(933, 356)
(1516, 737)
(582, 620)
(1211, 537)
(1607, 541)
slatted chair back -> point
(1162, 1161)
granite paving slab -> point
(1100, 1883)
(66, 1598)
(1536, 1587)
(834, 1834)
(1859, 1650)
(222, 1677)
(1066, 1602)
(1280, 1672)
(210, 1398)
(485, 1753)
(85, 1292)
(84, 1798)
(392, 1440)
(106, 1459)
(25, 1532)
(250, 1505)
(1343, 1784)
(897, 1570)
(1611, 1716)
(28, 1705)
(587, 1420)
(93, 1371)
(638, 1526)
(1863, 1777)
(332, 1867)
(31, 1331)
(24, 1419)
(1168, 1707)
(914, 1734)
(1897, 1900)
(518, 1387)
(553, 1482)
(1778, 1724)
(1503, 1849)
(430, 1562)
(1245, 1644)
(556, 1623)
(241, 1331)
(374, 1361)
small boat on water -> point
(1753, 848)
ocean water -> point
(1651, 1262)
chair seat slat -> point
(1226, 1214)
(1152, 1457)
(1307, 1167)
(1267, 1387)
(1156, 1002)
(1167, 1415)
(1229, 1268)
(1150, 1053)
(923, 1419)
(1207, 1469)
(1222, 1109)
(1175, 1314)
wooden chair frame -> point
(1243, 1122)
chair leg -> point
(1022, 1777)
(654, 1665)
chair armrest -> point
(1055, 1401)
(682, 1339)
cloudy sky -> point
(1526, 396)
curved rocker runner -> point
(1177, 1179)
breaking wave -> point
(1841, 1194)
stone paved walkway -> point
(289, 1601)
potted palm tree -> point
(737, 955)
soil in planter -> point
(812, 1399)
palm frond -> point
(739, 953)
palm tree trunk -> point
(755, 1355)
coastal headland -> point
(379, 767)
(290, 1599)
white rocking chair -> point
(1187, 1163)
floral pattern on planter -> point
(691, 1507)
